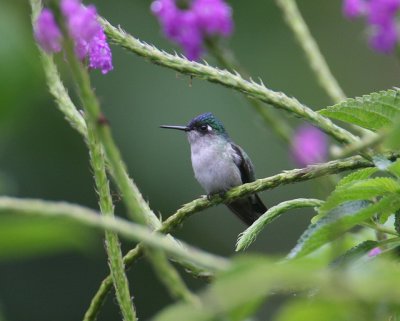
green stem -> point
(66, 106)
(311, 50)
(56, 87)
(313, 54)
(249, 88)
(367, 141)
(273, 120)
(137, 207)
(380, 228)
(113, 249)
(126, 229)
(250, 234)
(75, 119)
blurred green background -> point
(50, 271)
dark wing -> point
(244, 164)
(250, 208)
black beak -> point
(184, 128)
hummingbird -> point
(219, 164)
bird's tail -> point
(248, 209)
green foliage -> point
(355, 199)
(395, 168)
(359, 190)
(373, 111)
(392, 140)
(336, 294)
(249, 280)
(361, 174)
(354, 253)
(302, 309)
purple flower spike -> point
(384, 38)
(189, 27)
(88, 35)
(354, 8)
(382, 12)
(47, 33)
(215, 17)
(309, 146)
(100, 53)
(184, 31)
(374, 252)
(81, 21)
(381, 17)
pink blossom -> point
(309, 146)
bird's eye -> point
(203, 128)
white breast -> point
(213, 162)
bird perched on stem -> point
(219, 164)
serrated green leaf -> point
(372, 111)
(361, 174)
(394, 168)
(359, 190)
(354, 254)
(339, 221)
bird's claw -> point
(220, 194)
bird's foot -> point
(220, 194)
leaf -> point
(359, 190)
(339, 221)
(354, 253)
(242, 288)
(22, 237)
(392, 140)
(394, 168)
(361, 174)
(252, 278)
(372, 111)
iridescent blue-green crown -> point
(207, 119)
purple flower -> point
(354, 8)
(309, 146)
(100, 53)
(382, 12)
(88, 35)
(189, 27)
(214, 17)
(384, 37)
(47, 33)
(81, 21)
(83, 27)
(374, 252)
(381, 18)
